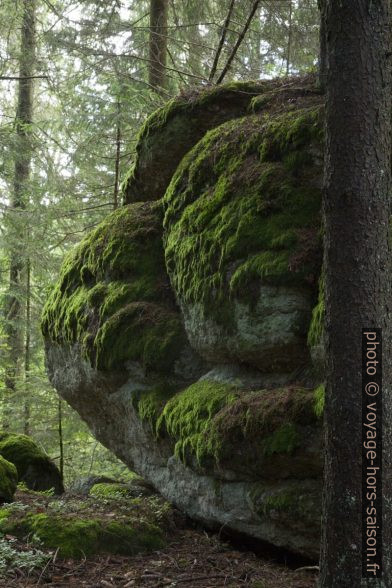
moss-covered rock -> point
(113, 296)
(77, 537)
(121, 491)
(242, 238)
(33, 466)
(224, 264)
(170, 132)
(8, 480)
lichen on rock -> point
(33, 465)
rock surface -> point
(183, 330)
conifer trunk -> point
(358, 273)
(158, 44)
(19, 198)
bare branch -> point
(221, 41)
(239, 41)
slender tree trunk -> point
(19, 197)
(27, 399)
(61, 438)
(289, 39)
(117, 160)
(158, 43)
(322, 45)
(358, 278)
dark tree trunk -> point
(358, 276)
(158, 43)
(22, 158)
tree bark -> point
(158, 44)
(19, 198)
(358, 273)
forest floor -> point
(191, 558)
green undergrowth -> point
(112, 296)
(244, 207)
(8, 480)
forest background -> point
(77, 80)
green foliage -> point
(8, 480)
(188, 415)
(12, 558)
(238, 211)
(112, 295)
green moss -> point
(263, 423)
(8, 480)
(188, 415)
(150, 403)
(319, 400)
(76, 537)
(112, 296)
(244, 206)
(116, 491)
(284, 440)
(316, 328)
(34, 467)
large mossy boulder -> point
(33, 466)
(185, 328)
(8, 480)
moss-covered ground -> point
(165, 550)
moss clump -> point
(316, 328)
(77, 537)
(284, 440)
(116, 491)
(188, 415)
(264, 423)
(244, 207)
(150, 403)
(8, 480)
(34, 467)
(319, 400)
(113, 297)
